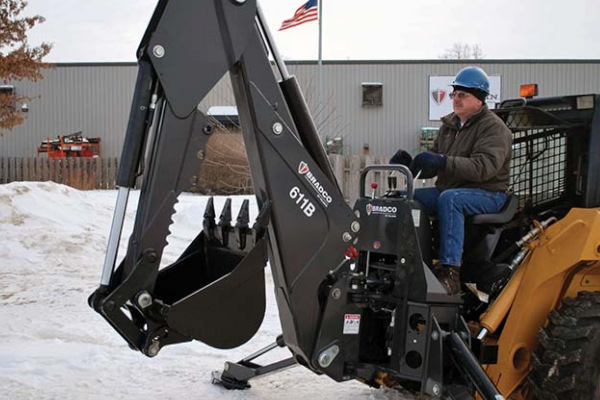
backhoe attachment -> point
(214, 292)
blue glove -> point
(428, 163)
(401, 157)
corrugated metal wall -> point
(91, 98)
(95, 98)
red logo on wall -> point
(438, 96)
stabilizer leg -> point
(236, 375)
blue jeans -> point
(451, 207)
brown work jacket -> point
(477, 154)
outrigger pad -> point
(216, 290)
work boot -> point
(449, 277)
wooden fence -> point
(347, 170)
(101, 173)
(80, 173)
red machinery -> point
(73, 145)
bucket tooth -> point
(262, 221)
(224, 223)
(243, 217)
(209, 220)
(241, 227)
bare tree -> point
(477, 52)
(18, 60)
(463, 51)
(225, 168)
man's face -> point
(465, 105)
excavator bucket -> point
(214, 292)
(216, 289)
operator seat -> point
(504, 216)
(482, 235)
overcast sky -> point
(110, 30)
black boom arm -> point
(215, 291)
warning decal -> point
(351, 324)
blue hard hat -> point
(472, 78)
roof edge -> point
(371, 62)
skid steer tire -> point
(566, 365)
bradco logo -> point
(388, 211)
(302, 168)
(438, 96)
(321, 192)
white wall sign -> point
(440, 103)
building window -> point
(5, 91)
(372, 94)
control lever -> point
(374, 187)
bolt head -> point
(151, 256)
(435, 335)
(278, 128)
(153, 348)
(110, 305)
(324, 360)
(144, 300)
(436, 390)
(336, 293)
(326, 357)
(403, 260)
(355, 226)
(346, 237)
(158, 51)
(208, 129)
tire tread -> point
(566, 364)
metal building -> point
(376, 105)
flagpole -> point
(319, 109)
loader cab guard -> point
(553, 142)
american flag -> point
(307, 12)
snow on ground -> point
(53, 346)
